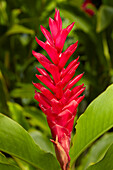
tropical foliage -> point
(24, 132)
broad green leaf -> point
(4, 164)
(3, 159)
(97, 151)
(37, 118)
(106, 163)
(16, 112)
(8, 167)
(24, 165)
(19, 29)
(42, 141)
(96, 120)
(15, 141)
(104, 17)
(8, 160)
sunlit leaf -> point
(19, 29)
(96, 120)
(15, 141)
(42, 141)
(104, 17)
(106, 163)
(97, 151)
(8, 167)
(3, 159)
(16, 112)
(4, 164)
(36, 118)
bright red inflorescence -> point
(60, 102)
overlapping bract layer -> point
(60, 102)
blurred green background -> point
(20, 22)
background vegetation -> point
(20, 22)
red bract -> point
(60, 102)
(86, 9)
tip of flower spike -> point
(55, 9)
(57, 19)
(53, 28)
(56, 14)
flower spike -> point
(59, 103)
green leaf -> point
(96, 120)
(8, 167)
(42, 141)
(104, 17)
(23, 91)
(37, 118)
(97, 151)
(16, 112)
(3, 92)
(76, 3)
(19, 29)
(106, 163)
(3, 159)
(15, 141)
(4, 165)
(23, 165)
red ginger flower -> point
(60, 105)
